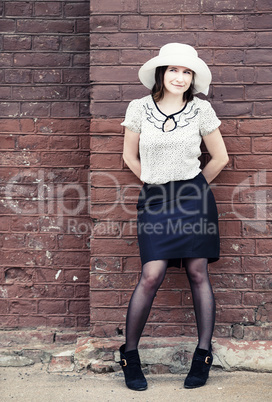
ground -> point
(35, 384)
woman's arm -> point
(219, 157)
(131, 151)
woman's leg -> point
(152, 276)
(204, 305)
(203, 299)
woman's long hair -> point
(158, 88)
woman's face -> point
(177, 79)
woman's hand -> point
(131, 151)
(219, 157)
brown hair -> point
(158, 88)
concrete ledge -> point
(158, 355)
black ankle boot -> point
(131, 365)
(200, 368)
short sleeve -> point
(208, 120)
(133, 117)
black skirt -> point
(176, 220)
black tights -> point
(152, 276)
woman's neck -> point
(171, 104)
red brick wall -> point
(44, 140)
(234, 38)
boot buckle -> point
(124, 362)
(207, 359)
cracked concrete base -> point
(158, 355)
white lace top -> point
(170, 155)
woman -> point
(177, 215)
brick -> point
(241, 315)
(5, 93)
(257, 264)
(235, 109)
(232, 281)
(60, 322)
(263, 5)
(263, 39)
(108, 56)
(114, 247)
(228, 297)
(39, 92)
(237, 247)
(81, 59)
(115, 6)
(78, 307)
(230, 22)
(19, 9)
(64, 159)
(106, 161)
(65, 126)
(263, 282)
(64, 109)
(229, 56)
(259, 21)
(262, 144)
(77, 43)
(17, 42)
(41, 59)
(134, 22)
(51, 307)
(172, 6)
(8, 25)
(106, 92)
(258, 92)
(46, 43)
(228, 93)
(159, 39)
(106, 126)
(264, 75)
(53, 9)
(9, 109)
(226, 6)
(7, 142)
(80, 9)
(263, 109)
(18, 76)
(106, 143)
(111, 264)
(103, 23)
(45, 26)
(252, 161)
(260, 126)
(198, 22)
(37, 109)
(230, 228)
(3, 307)
(113, 40)
(23, 306)
(258, 56)
(83, 25)
(237, 39)
(131, 92)
(77, 76)
(83, 292)
(263, 246)
(165, 22)
(135, 56)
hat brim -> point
(202, 78)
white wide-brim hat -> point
(178, 54)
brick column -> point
(234, 38)
(44, 129)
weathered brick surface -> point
(44, 137)
(234, 37)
